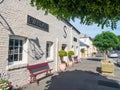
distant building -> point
(87, 44)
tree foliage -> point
(119, 45)
(100, 12)
(119, 38)
(106, 40)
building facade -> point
(87, 44)
(28, 36)
(75, 40)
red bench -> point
(38, 69)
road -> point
(99, 58)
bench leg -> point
(32, 79)
(49, 73)
(35, 79)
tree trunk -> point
(105, 55)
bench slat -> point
(40, 72)
(37, 65)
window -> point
(64, 46)
(74, 39)
(15, 53)
(49, 50)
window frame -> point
(18, 61)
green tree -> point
(118, 48)
(106, 41)
(101, 12)
(119, 38)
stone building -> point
(28, 36)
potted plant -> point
(5, 84)
(70, 54)
(83, 52)
(62, 53)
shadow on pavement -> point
(80, 80)
(95, 58)
(98, 69)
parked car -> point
(118, 52)
(113, 54)
(118, 62)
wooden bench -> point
(38, 69)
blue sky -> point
(93, 30)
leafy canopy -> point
(118, 48)
(106, 41)
(100, 12)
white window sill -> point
(16, 66)
(50, 59)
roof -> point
(85, 36)
(83, 44)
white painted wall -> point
(14, 22)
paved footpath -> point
(82, 76)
